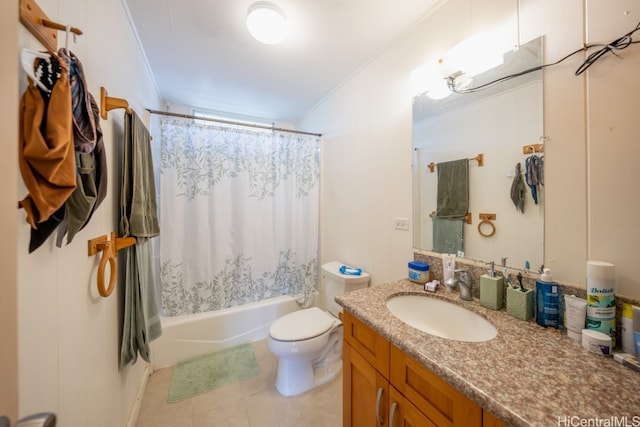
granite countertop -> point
(526, 376)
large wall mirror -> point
(500, 122)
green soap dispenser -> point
(492, 289)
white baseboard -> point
(135, 409)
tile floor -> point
(254, 402)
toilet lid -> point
(301, 325)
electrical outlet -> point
(401, 223)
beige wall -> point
(8, 213)
(68, 335)
(590, 176)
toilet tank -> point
(336, 283)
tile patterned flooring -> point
(251, 403)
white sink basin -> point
(441, 318)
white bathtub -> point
(195, 334)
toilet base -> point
(297, 376)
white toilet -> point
(308, 343)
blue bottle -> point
(547, 300)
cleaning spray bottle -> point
(547, 300)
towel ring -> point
(109, 249)
(486, 218)
(108, 255)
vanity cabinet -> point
(384, 387)
(365, 358)
(441, 403)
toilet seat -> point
(302, 325)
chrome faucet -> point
(464, 284)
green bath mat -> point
(205, 373)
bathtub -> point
(192, 335)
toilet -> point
(308, 342)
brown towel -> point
(45, 152)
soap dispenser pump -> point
(492, 289)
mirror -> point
(500, 122)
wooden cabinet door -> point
(373, 347)
(365, 391)
(440, 402)
(490, 420)
(403, 413)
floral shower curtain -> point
(239, 216)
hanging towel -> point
(532, 175)
(448, 235)
(518, 189)
(45, 154)
(453, 189)
(141, 321)
(138, 218)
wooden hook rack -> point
(38, 23)
(533, 148)
(109, 249)
(479, 158)
(467, 218)
(108, 103)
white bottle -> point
(601, 301)
(448, 269)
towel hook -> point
(533, 148)
(109, 249)
(108, 103)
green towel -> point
(138, 218)
(448, 235)
(139, 212)
(141, 320)
(453, 189)
(518, 189)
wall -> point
(8, 213)
(589, 158)
(69, 336)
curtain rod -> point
(229, 122)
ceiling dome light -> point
(266, 22)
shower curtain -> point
(239, 212)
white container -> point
(601, 302)
(575, 315)
(596, 342)
(448, 267)
(418, 272)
